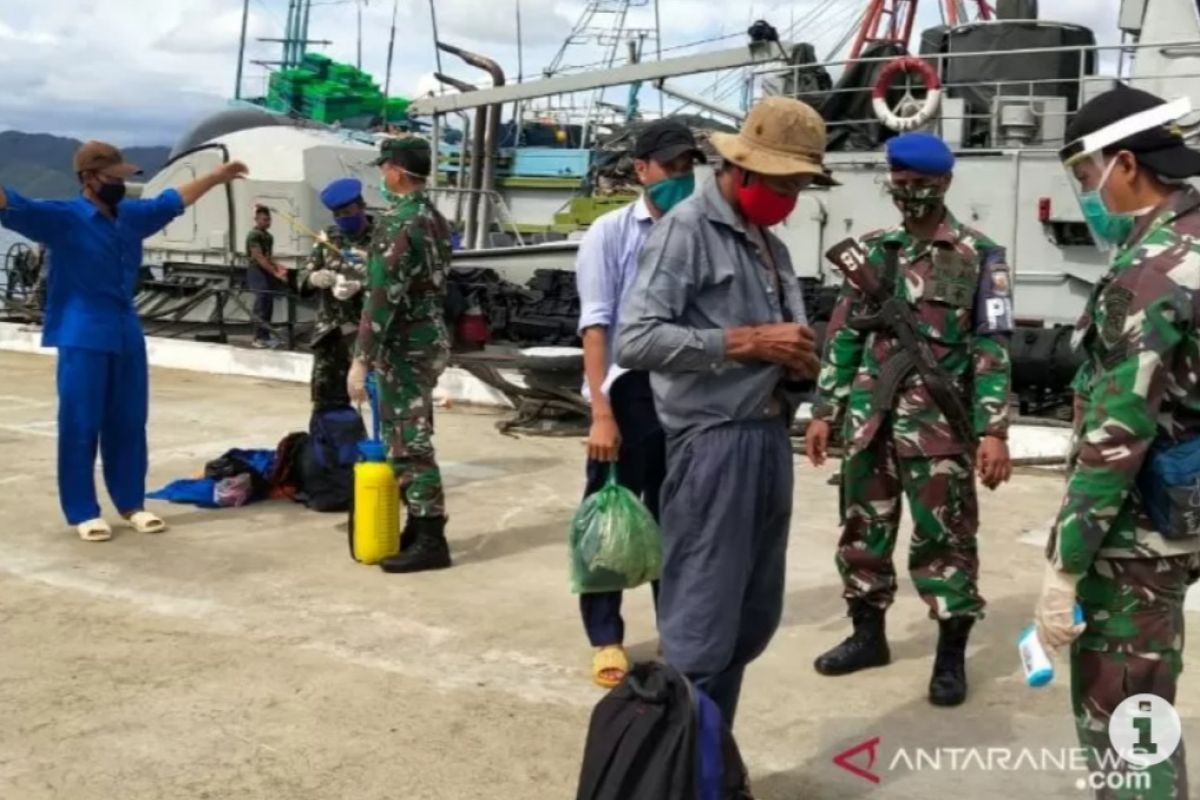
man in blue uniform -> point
(95, 242)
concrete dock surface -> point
(243, 654)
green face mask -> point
(668, 193)
(387, 193)
(1113, 227)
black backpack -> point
(329, 456)
(656, 737)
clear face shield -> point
(1088, 171)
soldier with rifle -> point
(916, 372)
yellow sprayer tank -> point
(375, 520)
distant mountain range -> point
(39, 165)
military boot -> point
(428, 550)
(408, 536)
(866, 647)
(948, 685)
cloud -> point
(496, 21)
(142, 71)
(211, 30)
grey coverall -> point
(726, 503)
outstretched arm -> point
(226, 173)
(43, 221)
(151, 215)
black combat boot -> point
(408, 537)
(867, 647)
(948, 686)
(428, 550)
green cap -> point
(401, 149)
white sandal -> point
(94, 530)
(145, 522)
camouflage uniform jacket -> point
(1140, 381)
(347, 256)
(959, 288)
(404, 304)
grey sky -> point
(140, 71)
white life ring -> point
(933, 94)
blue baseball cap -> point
(920, 152)
(341, 192)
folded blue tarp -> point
(203, 491)
(194, 491)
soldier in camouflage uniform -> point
(1138, 394)
(337, 270)
(403, 337)
(957, 283)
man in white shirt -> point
(625, 429)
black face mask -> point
(111, 193)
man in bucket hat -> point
(717, 318)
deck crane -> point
(891, 21)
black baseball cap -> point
(666, 140)
(1112, 121)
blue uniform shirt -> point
(89, 295)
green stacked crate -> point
(327, 91)
(318, 64)
(397, 108)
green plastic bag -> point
(615, 543)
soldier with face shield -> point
(1126, 543)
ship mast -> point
(602, 24)
(891, 21)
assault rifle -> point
(895, 316)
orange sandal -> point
(609, 660)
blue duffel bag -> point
(1169, 483)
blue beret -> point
(341, 192)
(920, 152)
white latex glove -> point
(345, 289)
(1055, 612)
(356, 382)
(323, 279)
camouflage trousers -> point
(331, 366)
(406, 413)
(1133, 645)
(942, 559)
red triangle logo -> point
(870, 747)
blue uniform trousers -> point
(726, 510)
(641, 466)
(103, 399)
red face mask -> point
(763, 206)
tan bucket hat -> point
(780, 136)
(104, 158)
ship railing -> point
(166, 304)
(1099, 66)
(496, 208)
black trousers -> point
(265, 288)
(641, 468)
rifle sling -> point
(895, 372)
